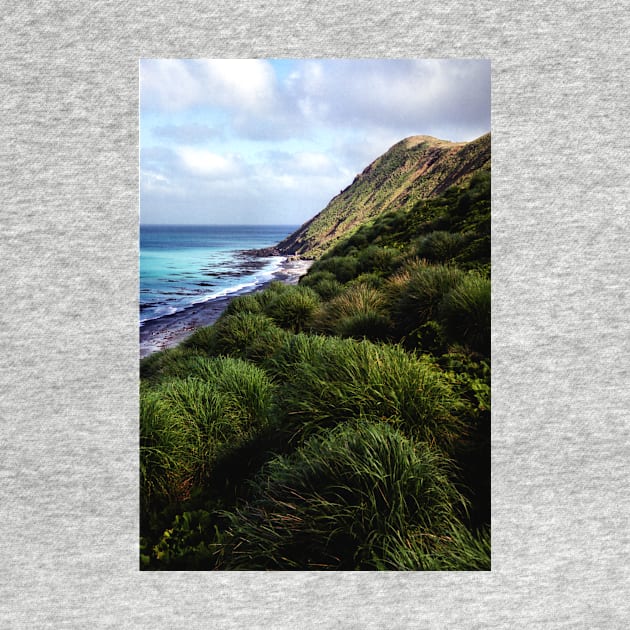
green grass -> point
(186, 425)
(360, 312)
(295, 308)
(361, 497)
(244, 335)
(328, 380)
(417, 292)
(465, 313)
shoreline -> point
(170, 330)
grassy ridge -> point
(343, 423)
(417, 168)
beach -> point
(170, 330)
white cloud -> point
(243, 84)
(208, 164)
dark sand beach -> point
(168, 331)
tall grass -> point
(441, 246)
(344, 268)
(358, 312)
(465, 313)
(295, 308)
(417, 291)
(327, 380)
(186, 425)
(324, 283)
(244, 335)
(352, 499)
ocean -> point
(182, 265)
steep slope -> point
(419, 167)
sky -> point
(272, 141)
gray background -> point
(68, 336)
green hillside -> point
(419, 167)
(343, 423)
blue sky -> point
(255, 141)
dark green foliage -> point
(187, 424)
(344, 268)
(324, 283)
(295, 308)
(417, 292)
(378, 259)
(441, 246)
(362, 497)
(357, 312)
(244, 335)
(249, 303)
(465, 313)
(326, 380)
(168, 363)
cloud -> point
(174, 85)
(274, 141)
(208, 164)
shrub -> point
(327, 380)
(295, 308)
(357, 498)
(465, 313)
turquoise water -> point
(181, 265)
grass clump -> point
(441, 246)
(465, 313)
(344, 268)
(245, 335)
(249, 303)
(328, 380)
(295, 308)
(358, 312)
(186, 425)
(324, 283)
(417, 291)
(361, 497)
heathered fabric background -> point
(69, 337)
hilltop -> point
(416, 168)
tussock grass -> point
(245, 335)
(378, 259)
(248, 303)
(324, 283)
(441, 246)
(358, 312)
(167, 460)
(344, 268)
(328, 380)
(294, 308)
(465, 312)
(417, 291)
(166, 364)
(186, 425)
(356, 498)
